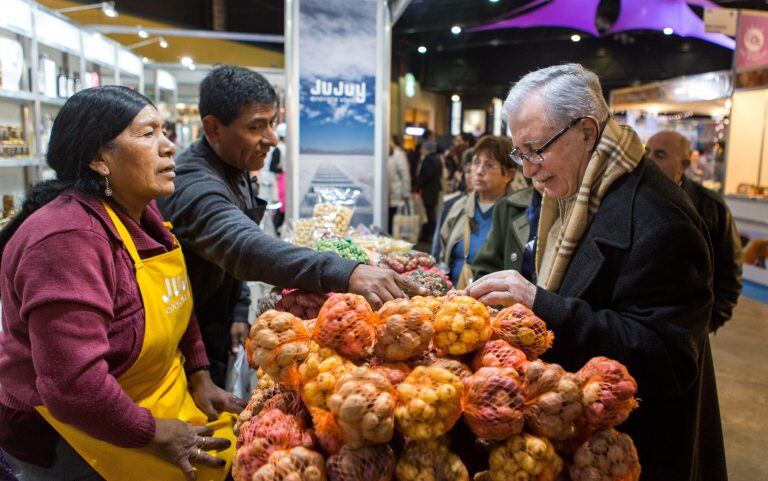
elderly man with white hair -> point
(624, 270)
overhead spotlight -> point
(455, 98)
(163, 42)
(143, 33)
(145, 59)
(668, 31)
(187, 61)
(422, 49)
(455, 30)
(108, 9)
(494, 1)
(575, 37)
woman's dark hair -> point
(497, 148)
(87, 123)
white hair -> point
(567, 91)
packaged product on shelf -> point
(380, 244)
(346, 324)
(370, 463)
(553, 402)
(429, 403)
(335, 209)
(521, 328)
(430, 460)
(608, 392)
(403, 330)
(493, 403)
(462, 325)
(525, 457)
(608, 456)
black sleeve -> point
(243, 304)
(727, 269)
(659, 311)
(274, 163)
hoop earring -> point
(107, 190)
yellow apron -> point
(156, 381)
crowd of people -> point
(109, 370)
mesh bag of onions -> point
(277, 343)
(499, 353)
(403, 330)
(302, 304)
(346, 324)
(430, 461)
(370, 463)
(608, 392)
(493, 403)
(276, 397)
(553, 403)
(327, 431)
(319, 374)
(522, 329)
(525, 457)
(395, 372)
(608, 456)
(296, 464)
(429, 403)
(462, 325)
(454, 366)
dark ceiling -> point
(483, 64)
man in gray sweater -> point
(215, 217)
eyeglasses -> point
(534, 156)
(486, 166)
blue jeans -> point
(68, 466)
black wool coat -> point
(639, 290)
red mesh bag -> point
(327, 431)
(462, 325)
(271, 396)
(498, 353)
(302, 304)
(275, 429)
(371, 463)
(319, 374)
(608, 456)
(277, 343)
(607, 394)
(455, 367)
(493, 403)
(429, 460)
(395, 372)
(525, 457)
(363, 403)
(429, 403)
(553, 403)
(403, 330)
(346, 325)
(407, 261)
(296, 464)
(521, 328)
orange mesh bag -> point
(296, 464)
(553, 403)
(371, 463)
(327, 431)
(607, 394)
(429, 403)
(525, 457)
(363, 403)
(403, 330)
(430, 302)
(608, 456)
(461, 326)
(318, 375)
(395, 372)
(493, 403)
(499, 353)
(455, 367)
(429, 461)
(276, 397)
(345, 324)
(277, 343)
(521, 328)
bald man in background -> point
(672, 152)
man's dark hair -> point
(469, 138)
(227, 89)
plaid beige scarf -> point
(616, 155)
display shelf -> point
(6, 162)
(56, 101)
(17, 96)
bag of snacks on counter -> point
(403, 330)
(395, 372)
(607, 393)
(300, 232)
(429, 403)
(553, 403)
(296, 464)
(499, 353)
(335, 209)
(319, 374)
(346, 324)
(608, 456)
(364, 404)
(493, 403)
(370, 463)
(277, 343)
(344, 248)
(458, 368)
(327, 431)
(300, 303)
(429, 460)
(462, 325)
(407, 261)
(525, 457)
(521, 328)
(433, 281)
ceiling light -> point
(455, 98)
(668, 31)
(108, 9)
(145, 59)
(187, 61)
(163, 43)
(192, 66)
(494, 1)
(143, 33)
(575, 37)
(422, 49)
(455, 30)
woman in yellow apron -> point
(132, 167)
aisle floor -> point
(741, 365)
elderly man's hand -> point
(380, 285)
(503, 288)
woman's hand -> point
(182, 444)
(503, 288)
(210, 398)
